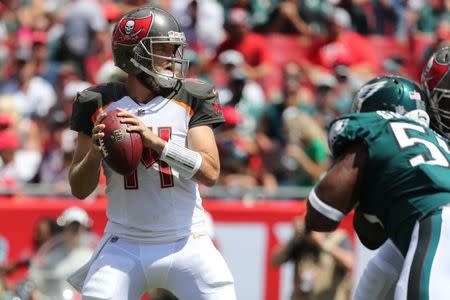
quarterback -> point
(156, 233)
(394, 170)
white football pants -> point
(191, 268)
(426, 271)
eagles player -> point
(156, 233)
(394, 170)
(383, 270)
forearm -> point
(300, 25)
(342, 256)
(84, 176)
(209, 171)
(313, 169)
(281, 254)
(191, 164)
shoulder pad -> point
(88, 95)
(96, 92)
(336, 128)
(200, 89)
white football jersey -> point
(154, 203)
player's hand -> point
(97, 134)
(149, 139)
(299, 226)
(318, 238)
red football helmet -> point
(135, 36)
(436, 85)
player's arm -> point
(84, 171)
(338, 192)
(371, 234)
(199, 160)
(201, 140)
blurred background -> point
(284, 70)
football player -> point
(156, 233)
(383, 270)
(394, 170)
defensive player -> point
(395, 170)
(156, 234)
(383, 270)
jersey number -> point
(438, 158)
(149, 157)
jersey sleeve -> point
(207, 110)
(83, 108)
(352, 128)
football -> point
(121, 150)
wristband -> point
(183, 160)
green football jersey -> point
(407, 173)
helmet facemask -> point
(439, 107)
(436, 84)
(166, 70)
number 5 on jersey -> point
(438, 158)
(149, 157)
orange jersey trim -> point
(99, 111)
(184, 105)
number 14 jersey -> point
(407, 174)
(154, 204)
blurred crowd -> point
(59, 247)
(284, 70)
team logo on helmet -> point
(433, 73)
(132, 30)
(365, 92)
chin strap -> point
(163, 81)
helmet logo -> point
(433, 74)
(132, 30)
(413, 95)
(365, 92)
(129, 26)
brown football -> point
(121, 150)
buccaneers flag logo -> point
(132, 30)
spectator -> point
(358, 14)
(259, 11)
(33, 95)
(54, 169)
(307, 147)
(343, 46)
(235, 154)
(245, 94)
(84, 28)
(252, 45)
(63, 254)
(202, 21)
(322, 263)
(390, 17)
(296, 90)
(16, 166)
(45, 229)
(40, 54)
(270, 135)
(70, 83)
(287, 19)
(196, 66)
